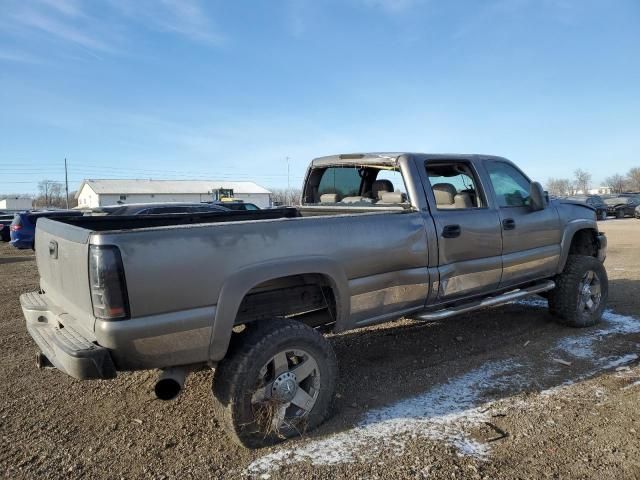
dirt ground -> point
(504, 393)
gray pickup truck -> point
(248, 293)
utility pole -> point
(66, 182)
(288, 178)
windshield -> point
(618, 201)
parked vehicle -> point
(237, 205)
(637, 212)
(622, 205)
(594, 201)
(378, 236)
(157, 208)
(23, 226)
(5, 224)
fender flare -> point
(567, 237)
(239, 284)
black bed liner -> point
(131, 222)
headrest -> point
(444, 193)
(380, 186)
(392, 197)
(329, 198)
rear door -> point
(468, 229)
(530, 240)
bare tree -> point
(50, 194)
(617, 183)
(559, 186)
(633, 179)
(284, 196)
(582, 181)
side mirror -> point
(537, 200)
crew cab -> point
(249, 293)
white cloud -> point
(67, 7)
(187, 18)
(17, 56)
(392, 6)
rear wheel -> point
(276, 382)
(581, 292)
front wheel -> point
(276, 382)
(581, 292)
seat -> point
(329, 198)
(356, 200)
(445, 194)
(463, 200)
(392, 198)
(380, 186)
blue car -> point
(23, 227)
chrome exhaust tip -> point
(171, 382)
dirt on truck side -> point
(502, 393)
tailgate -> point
(62, 253)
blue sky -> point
(229, 89)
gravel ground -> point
(504, 393)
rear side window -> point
(510, 185)
(455, 185)
(343, 181)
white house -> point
(99, 193)
(603, 190)
(16, 203)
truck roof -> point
(391, 158)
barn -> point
(99, 193)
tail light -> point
(15, 228)
(107, 281)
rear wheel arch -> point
(237, 287)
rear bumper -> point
(63, 346)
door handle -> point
(509, 224)
(451, 231)
(53, 249)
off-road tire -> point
(564, 299)
(235, 378)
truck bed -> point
(134, 222)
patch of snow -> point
(443, 413)
(631, 385)
(581, 345)
(446, 412)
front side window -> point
(510, 185)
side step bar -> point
(487, 302)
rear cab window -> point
(353, 185)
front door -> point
(530, 239)
(468, 229)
